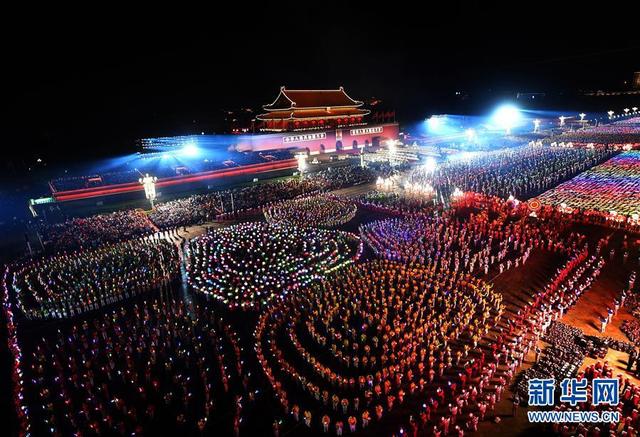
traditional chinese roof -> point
(307, 114)
(311, 99)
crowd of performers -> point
(611, 188)
(628, 406)
(317, 211)
(202, 208)
(477, 233)
(69, 284)
(621, 132)
(160, 367)
(522, 172)
(250, 264)
(355, 348)
(413, 341)
(393, 203)
(96, 230)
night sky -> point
(83, 88)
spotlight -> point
(434, 123)
(471, 134)
(190, 149)
(506, 117)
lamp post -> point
(391, 144)
(536, 125)
(471, 134)
(562, 118)
(149, 184)
(610, 114)
(302, 162)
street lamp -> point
(391, 145)
(471, 134)
(610, 114)
(361, 147)
(302, 162)
(582, 116)
(149, 184)
(626, 110)
(536, 125)
(562, 118)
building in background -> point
(318, 121)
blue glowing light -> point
(190, 149)
(434, 122)
(506, 117)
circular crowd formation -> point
(250, 264)
(351, 348)
(69, 284)
(315, 211)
